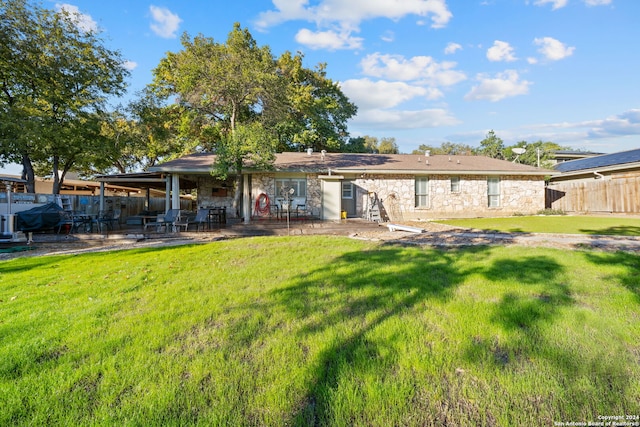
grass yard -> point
(319, 330)
(592, 225)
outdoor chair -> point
(104, 220)
(182, 220)
(157, 224)
(66, 222)
(115, 219)
(165, 221)
(202, 218)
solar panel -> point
(600, 161)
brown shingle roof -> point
(366, 163)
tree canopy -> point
(240, 102)
(371, 144)
(450, 148)
(55, 79)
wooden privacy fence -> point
(621, 195)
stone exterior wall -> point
(209, 190)
(397, 195)
(518, 194)
(266, 183)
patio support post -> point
(167, 193)
(101, 196)
(246, 200)
(175, 191)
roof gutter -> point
(443, 172)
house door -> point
(348, 198)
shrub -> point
(549, 211)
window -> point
(422, 192)
(347, 190)
(493, 192)
(455, 184)
(299, 187)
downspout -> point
(598, 175)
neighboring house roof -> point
(624, 159)
(340, 163)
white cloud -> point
(388, 37)
(351, 13)
(422, 69)
(404, 119)
(559, 4)
(130, 65)
(83, 21)
(556, 4)
(553, 49)
(165, 23)
(329, 40)
(503, 85)
(452, 48)
(367, 94)
(500, 51)
(612, 134)
(346, 16)
(597, 2)
(376, 101)
(627, 123)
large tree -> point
(317, 110)
(451, 148)
(539, 153)
(145, 132)
(492, 146)
(371, 144)
(221, 86)
(243, 104)
(55, 78)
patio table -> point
(217, 215)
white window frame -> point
(298, 184)
(348, 186)
(421, 192)
(455, 184)
(493, 192)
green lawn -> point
(319, 331)
(621, 226)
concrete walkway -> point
(434, 235)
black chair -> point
(104, 220)
(202, 218)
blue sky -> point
(427, 71)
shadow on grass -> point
(629, 277)
(614, 231)
(355, 294)
(525, 315)
(18, 265)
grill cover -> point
(40, 218)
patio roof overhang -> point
(155, 180)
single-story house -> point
(609, 183)
(561, 156)
(401, 186)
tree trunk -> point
(237, 196)
(56, 177)
(28, 174)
